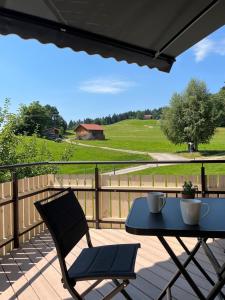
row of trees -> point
(111, 119)
(192, 116)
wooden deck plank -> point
(5, 285)
(33, 272)
(36, 279)
(23, 262)
(46, 268)
(16, 278)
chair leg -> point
(118, 289)
(91, 287)
(74, 293)
(124, 292)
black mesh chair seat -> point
(67, 224)
(114, 261)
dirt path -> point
(155, 156)
(167, 156)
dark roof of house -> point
(51, 128)
(147, 32)
(95, 127)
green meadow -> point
(146, 135)
(80, 153)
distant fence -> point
(105, 199)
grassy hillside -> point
(146, 135)
(192, 169)
(138, 135)
(87, 154)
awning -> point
(146, 32)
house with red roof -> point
(89, 132)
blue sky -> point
(81, 86)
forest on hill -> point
(111, 119)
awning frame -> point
(19, 16)
(161, 55)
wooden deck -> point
(32, 272)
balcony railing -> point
(105, 199)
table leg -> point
(212, 259)
(168, 294)
(203, 242)
(178, 273)
(216, 289)
(218, 269)
(181, 267)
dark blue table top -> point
(169, 222)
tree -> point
(54, 118)
(140, 115)
(17, 149)
(190, 117)
(218, 100)
(35, 118)
(71, 125)
(8, 140)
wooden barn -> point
(147, 117)
(51, 133)
(89, 132)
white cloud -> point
(221, 47)
(208, 46)
(105, 86)
(203, 48)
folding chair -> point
(67, 224)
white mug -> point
(156, 202)
(191, 210)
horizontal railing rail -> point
(120, 162)
(96, 189)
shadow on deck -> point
(32, 271)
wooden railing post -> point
(203, 183)
(15, 210)
(97, 197)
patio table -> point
(169, 223)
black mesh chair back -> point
(65, 220)
(67, 224)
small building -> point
(147, 117)
(51, 133)
(89, 132)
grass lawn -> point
(191, 169)
(88, 154)
(146, 135)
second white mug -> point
(191, 210)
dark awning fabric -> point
(146, 32)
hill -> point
(140, 135)
(146, 135)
